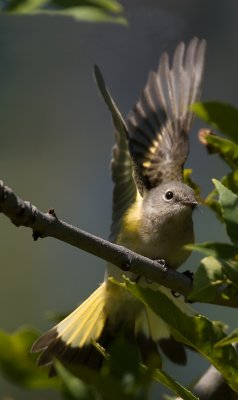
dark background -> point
(56, 138)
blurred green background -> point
(56, 138)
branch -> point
(212, 386)
(23, 213)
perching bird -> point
(152, 215)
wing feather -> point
(153, 145)
(124, 192)
(160, 122)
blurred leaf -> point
(231, 270)
(100, 349)
(109, 5)
(22, 5)
(220, 268)
(221, 116)
(231, 182)
(188, 181)
(125, 386)
(167, 397)
(73, 387)
(17, 363)
(208, 276)
(195, 331)
(170, 383)
(231, 338)
(222, 251)
(227, 149)
(93, 14)
(229, 207)
(83, 10)
(212, 202)
(124, 359)
(100, 381)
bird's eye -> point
(169, 195)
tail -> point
(106, 314)
(71, 340)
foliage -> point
(82, 10)
(18, 365)
(123, 375)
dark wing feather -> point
(160, 122)
(124, 192)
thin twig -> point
(23, 213)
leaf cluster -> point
(82, 10)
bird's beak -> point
(192, 204)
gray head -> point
(170, 199)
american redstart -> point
(152, 215)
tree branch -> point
(212, 386)
(23, 213)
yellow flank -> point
(131, 220)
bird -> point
(151, 215)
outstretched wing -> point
(160, 122)
(124, 192)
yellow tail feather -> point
(108, 312)
(86, 322)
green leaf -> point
(231, 338)
(231, 182)
(207, 278)
(23, 6)
(231, 270)
(73, 387)
(124, 359)
(82, 10)
(221, 116)
(17, 363)
(195, 331)
(106, 5)
(222, 251)
(212, 202)
(124, 386)
(99, 381)
(218, 269)
(229, 207)
(166, 380)
(188, 181)
(227, 149)
(89, 14)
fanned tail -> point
(71, 340)
(107, 314)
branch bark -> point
(212, 386)
(23, 213)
